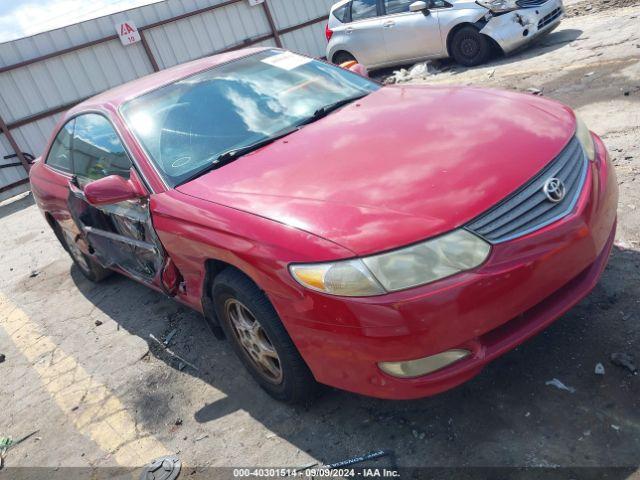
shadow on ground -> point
(548, 43)
(506, 416)
(15, 206)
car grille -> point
(529, 209)
(530, 3)
(549, 18)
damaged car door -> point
(411, 35)
(120, 235)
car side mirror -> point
(113, 189)
(419, 7)
(356, 68)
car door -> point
(365, 39)
(410, 35)
(120, 235)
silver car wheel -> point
(254, 341)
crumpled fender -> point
(507, 29)
(514, 29)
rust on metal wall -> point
(272, 23)
(14, 145)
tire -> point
(469, 47)
(242, 307)
(342, 57)
(91, 269)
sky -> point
(22, 18)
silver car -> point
(381, 33)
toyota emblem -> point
(554, 190)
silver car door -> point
(410, 35)
(364, 34)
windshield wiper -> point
(327, 109)
(225, 158)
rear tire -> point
(258, 337)
(469, 47)
(342, 57)
(91, 269)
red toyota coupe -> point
(389, 241)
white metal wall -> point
(71, 77)
(11, 175)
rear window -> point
(362, 9)
(341, 13)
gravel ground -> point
(80, 363)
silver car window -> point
(362, 9)
(397, 6)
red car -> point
(389, 241)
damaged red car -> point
(389, 241)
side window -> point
(97, 150)
(341, 13)
(397, 6)
(361, 9)
(60, 154)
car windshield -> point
(187, 125)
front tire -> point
(469, 47)
(260, 340)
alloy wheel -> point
(254, 341)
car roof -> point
(339, 4)
(114, 97)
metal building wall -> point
(42, 75)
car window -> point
(97, 150)
(397, 6)
(341, 13)
(187, 125)
(60, 153)
(361, 9)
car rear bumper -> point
(523, 287)
(515, 29)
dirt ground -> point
(82, 370)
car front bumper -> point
(515, 29)
(524, 286)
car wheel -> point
(260, 340)
(87, 265)
(469, 47)
(343, 57)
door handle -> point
(389, 24)
(348, 30)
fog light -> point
(423, 366)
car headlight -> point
(407, 267)
(586, 140)
(498, 5)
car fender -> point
(195, 231)
(450, 19)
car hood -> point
(401, 165)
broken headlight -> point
(498, 5)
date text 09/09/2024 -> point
(315, 472)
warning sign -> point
(128, 32)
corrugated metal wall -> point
(65, 79)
